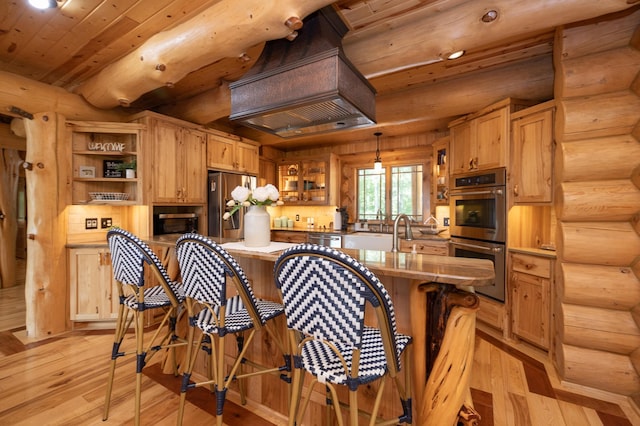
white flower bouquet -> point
(261, 196)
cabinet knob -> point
(516, 190)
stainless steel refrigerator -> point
(220, 187)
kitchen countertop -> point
(535, 251)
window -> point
(402, 184)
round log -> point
(605, 115)
(602, 72)
(598, 369)
(604, 243)
(608, 200)
(597, 328)
(234, 25)
(598, 159)
(610, 287)
(46, 293)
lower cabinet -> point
(530, 280)
(93, 291)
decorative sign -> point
(87, 171)
(106, 146)
(113, 168)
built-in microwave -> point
(478, 205)
(174, 223)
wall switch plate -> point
(105, 222)
(91, 223)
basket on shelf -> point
(109, 196)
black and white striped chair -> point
(129, 258)
(325, 293)
(215, 310)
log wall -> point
(598, 204)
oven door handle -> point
(488, 192)
(474, 246)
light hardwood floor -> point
(61, 381)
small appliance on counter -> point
(344, 218)
(174, 223)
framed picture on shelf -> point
(87, 172)
(113, 169)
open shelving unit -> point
(97, 149)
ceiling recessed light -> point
(43, 4)
(455, 55)
(490, 16)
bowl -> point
(432, 231)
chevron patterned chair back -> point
(325, 293)
(129, 258)
(221, 301)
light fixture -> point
(43, 4)
(455, 55)
(377, 164)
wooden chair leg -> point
(190, 358)
(121, 328)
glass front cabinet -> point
(305, 181)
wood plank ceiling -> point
(399, 45)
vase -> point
(257, 227)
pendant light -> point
(377, 164)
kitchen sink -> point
(368, 240)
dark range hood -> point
(305, 86)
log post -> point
(9, 173)
(47, 166)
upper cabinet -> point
(177, 152)
(531, 163)
(229, 152)
(307, 181)
(480, 141)
(440, 175)
(100, 153)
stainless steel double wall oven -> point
(479, 222)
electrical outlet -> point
(297, 218)
(105, 222)
(91, 223)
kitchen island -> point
(434, 302)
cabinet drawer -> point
(289, 236)
(425, 247)
(532, 265)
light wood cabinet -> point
(531, 162)
(309, 181)
(440, 174)
(237, 155)
(480, 141)
(93, 291)
(433, 246)
(530, 280)
(99, 151)
(177, 167)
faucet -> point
(408, 235)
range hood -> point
(305, 86)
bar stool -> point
(129, 256)
(325, 293)
(216, 308)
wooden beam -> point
(34, 97)
(225, 30)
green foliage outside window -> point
(404, 188)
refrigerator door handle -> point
(213, 186)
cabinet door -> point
(193, 170)
(532, 158)
(492, 136)
(166, 161)
(248, 158)
(93, 292)
(220, 153)
(531, 308)
(461, 156)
